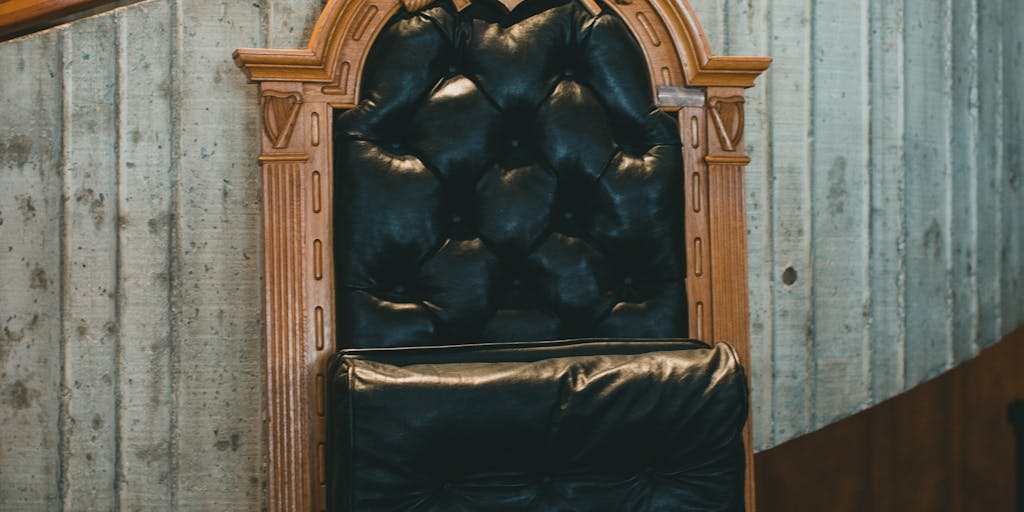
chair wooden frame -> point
(298, 88)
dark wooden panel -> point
(946, 445)
(791, 477)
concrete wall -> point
(887, 175)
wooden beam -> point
(22, 17)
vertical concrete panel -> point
(964, 216)
(217, 322)
(1013, 166)
(712, 17)
(30, 278)
(928, 76)
(289, 23)
(143, 171)
(89, 295)
(989, 158)
(790, 131)
(748, 35)
(840, 203)
(886, 267)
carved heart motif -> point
(279, 113)
(727, 114)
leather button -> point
(568, 215)
(628, 281)
(515, 143)
(399, 289)
(452, 69)
(567, 74)
(547, 479)
(456, 219)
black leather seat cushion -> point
(589, 426)
(507, 176)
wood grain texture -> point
(30, 263)
(729, 291)
(945, 446)
(20, 17)
(693, 131)
(90, 292)
(290, 461)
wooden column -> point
(298, 292)
(730, 312)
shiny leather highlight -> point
(506, 177)
(589, 426)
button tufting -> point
(473, 213)
(532, 170)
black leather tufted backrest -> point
(507, 177)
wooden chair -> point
(299, 89)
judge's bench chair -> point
(494, 232)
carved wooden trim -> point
(730, 310)
(674, 43)
(300, 88)
(280, 110)
(285, 346)
(693, 131)
(727, 114)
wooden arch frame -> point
(298, 88)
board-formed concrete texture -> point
(885, 211)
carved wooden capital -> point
(727, 115)
(279, 111)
